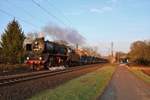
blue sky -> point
(99, 21)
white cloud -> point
(108, 7)
(101, 10)
(110, 4)
(96, 10)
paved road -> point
(125, 86)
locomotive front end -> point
(35, 58)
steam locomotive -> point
(41, 54)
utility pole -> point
(77, 46)
(112, 47)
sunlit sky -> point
(99, 21)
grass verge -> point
(86, 87)
(140, 74)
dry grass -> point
(139, 73)
(9, 69)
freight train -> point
(41, 54)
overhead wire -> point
(48, 12)
(11, 15)
(70, 23)
(21, 8)
(29, 14)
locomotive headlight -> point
(28, 58)
(36, 43)
(40, 58)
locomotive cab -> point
(28, 47)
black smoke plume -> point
(67, 34)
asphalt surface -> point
(126, 86)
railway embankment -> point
(26, 89)
(86, 87)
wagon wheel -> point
(68, 63)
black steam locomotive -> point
(46, 54)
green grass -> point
(86, 87)
(140, 74)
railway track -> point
(12, 79)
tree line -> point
(11, 46)
(140, 52)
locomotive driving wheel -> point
(33, 67)
(49, 63)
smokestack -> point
(41, 35)
(112, 45)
